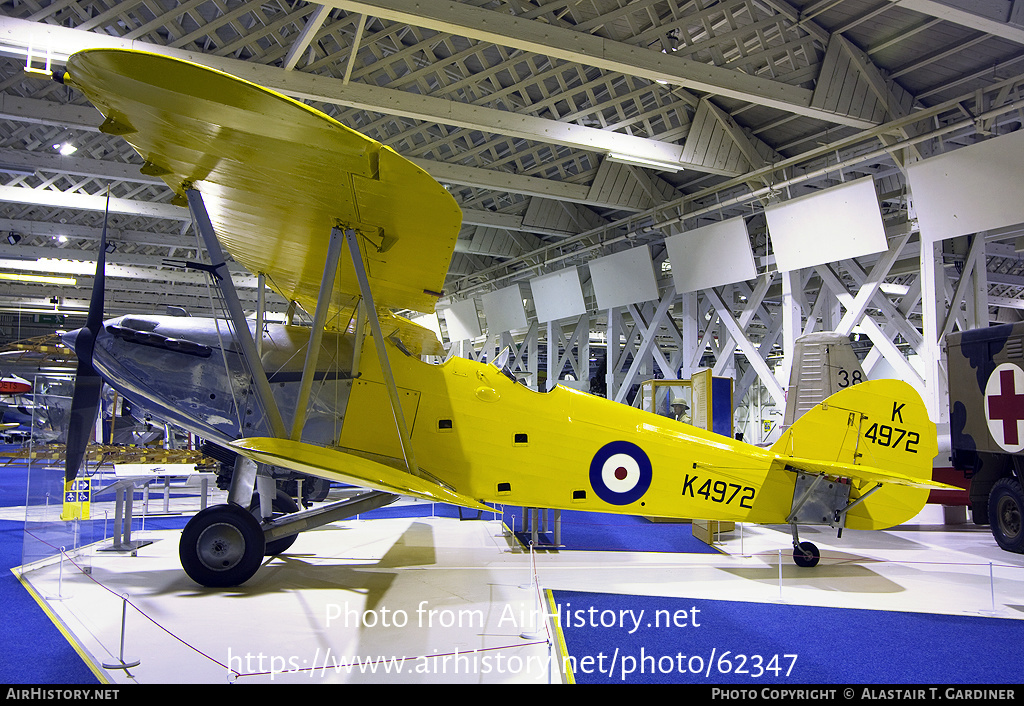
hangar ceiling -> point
(564, 129)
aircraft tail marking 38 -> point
(349, 229)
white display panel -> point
(504, 310)
(969, 190)
(429, 321)
(462, 321)
(558, 295)
(624, 278)
(836, 224)
(711, 256)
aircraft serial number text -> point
(893, 437)
(718, 491)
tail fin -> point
(874, 433)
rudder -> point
(881, 425)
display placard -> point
(839, 223)
(711, 256)
(462, 321)
(504, 310)
(558, 295)
(623, 278)
(969, 190)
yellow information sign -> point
(77, 496)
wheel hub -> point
(220, 546)
(1009, 517)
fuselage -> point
(472, 425)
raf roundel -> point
(620, 473)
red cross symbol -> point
(1007, 407)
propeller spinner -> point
(85, 400)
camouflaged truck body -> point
(986, 424)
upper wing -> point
(277, 175)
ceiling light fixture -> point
(41, 279)
(644, 162)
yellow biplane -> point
(350, 230)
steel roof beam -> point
(591, 50)
(996, 17)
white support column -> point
(792, 322)
(579, 339)
(908, 303)
(980, 318)
(936, 397)
(746, 380)
(705, 317)
(751, 309)
(611, 354)
(553, 358)
(583, 351)
(688, 330)
(725, 360)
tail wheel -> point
(283, 505)
(806, 555)
(1005, 505)
(221, 546)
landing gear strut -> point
(805, 554)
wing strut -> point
(370, 311)
(202, 221)
(323, 303)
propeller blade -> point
(85, 401)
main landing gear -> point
(222, 546)
(817, 500)
(805, 554)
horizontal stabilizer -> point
(344, 467)
(858, 473)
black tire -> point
(806, 555)
(283, 504)
(316, 489)
(1005, 506)
(221, 546)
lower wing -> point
(345, 467)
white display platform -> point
(462, 589)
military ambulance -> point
(986, 425)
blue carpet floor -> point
(680, 640)
(581, 531)
(607, 636)
(592, 531)
(35, 651)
